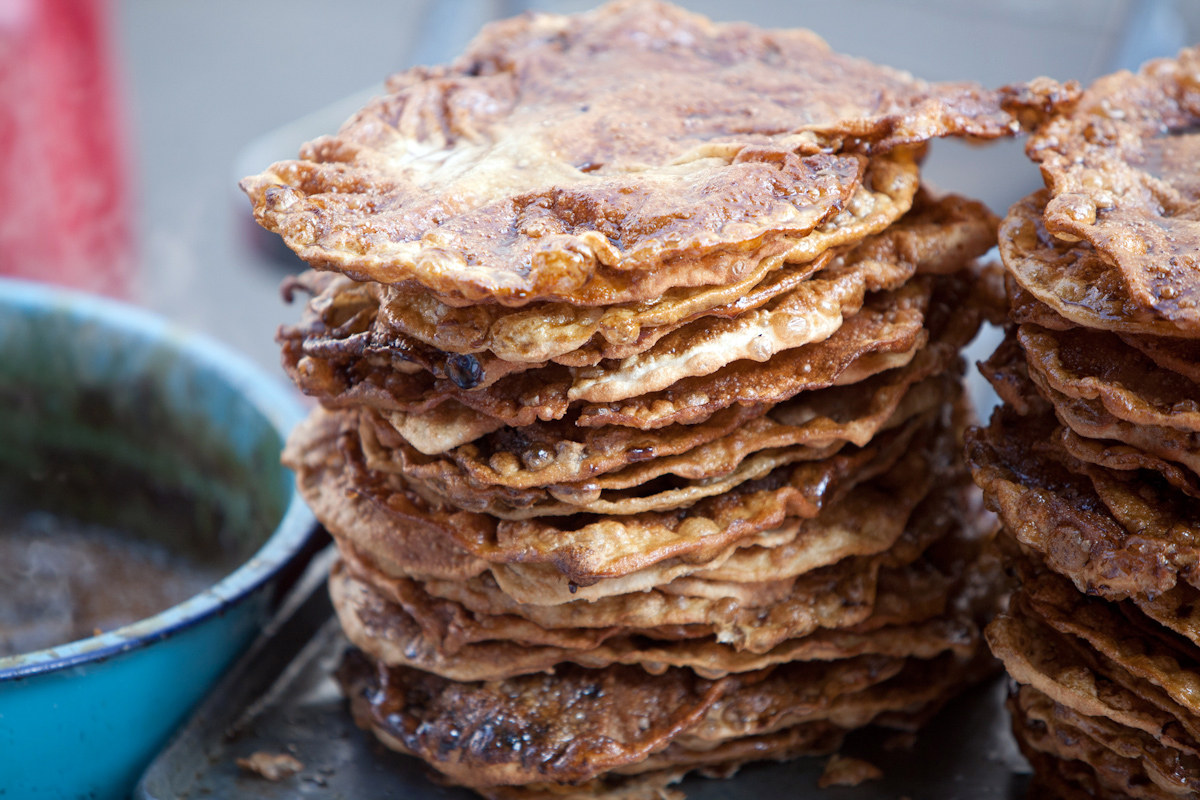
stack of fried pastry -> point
(637, 347)
(1094, 459)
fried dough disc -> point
(441, 423)
(650, 779)
(869, 343)
(748, 453)
(543, 584)
(937, 235)
(635, 490)
(1155, 513)
(1094, 434)
(1121, 739)
(889, 324)
(451, 425)
(1111, 537)
(941, 238)
(647, 779)
(870, 519)
(340, 326)
(850, 693)
(712, 659)
(1121, 168)
(1116, 776)
(548, 453)
(585, 548)
(427, 546)
(1058, 779)
(1122, 457)
(570, 725)
(783, 312)
(1181, 356)
(578, 723)
(1177, 610)
(1005, 369)
(1096, 365)
(1169, 768)
(579, 336)
(1068, 671)
(346, 320)
(862, 523)
(1122, 634)
(761, 562)
(881, 336)
(455, 180)
(422, 548)
(1073, 279)
(722, 758)
(810, 313)
(422, 552)
(399, 623)
(1089, 418)
(1127, 763)
(1023, 307)
(323, 472)
(854, 596)
(337, 343)
(559, 452)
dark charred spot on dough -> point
(464, 370)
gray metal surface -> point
(281, 699)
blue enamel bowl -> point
(113, 416)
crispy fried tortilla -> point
(1121, 170)
(454, 180)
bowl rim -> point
(271, 397)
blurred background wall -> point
(212, 90)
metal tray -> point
(280, 698)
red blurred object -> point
(64, 187)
